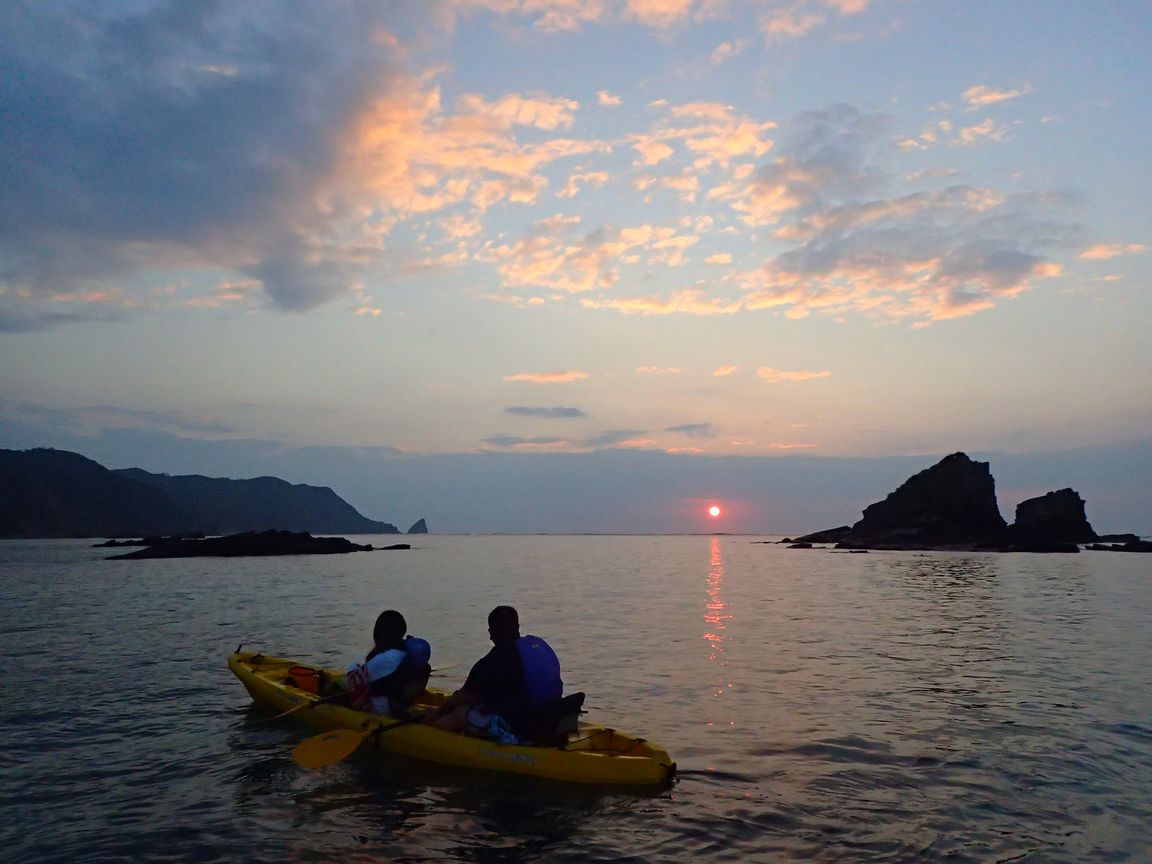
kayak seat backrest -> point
(556, 718)
(569, 719)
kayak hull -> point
(592, 755)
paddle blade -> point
(328, 748)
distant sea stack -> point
(951, 504)
(420, 527)
(1057, 517)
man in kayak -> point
(395, 671)
(509, 690)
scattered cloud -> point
(556, 412)
(658, 370)
(725, 51)
(548, 377)
(723, 371)
(515, 442)
(695, 430)
(689, 301)
(775, 376)
(1104, 251)
(981, 96)
(607, 99)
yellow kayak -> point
(592, 754)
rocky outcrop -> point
(1136, 545)
(247, 544)
(421, 527)
(1057, 517)
(951, 504)
(829, 535)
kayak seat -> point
(554, 720)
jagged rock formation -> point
(1057, 517)
(247, 544)
(420, 527)
(951, 504)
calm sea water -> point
(822, 706)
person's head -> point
(503, 625)
(390, 629)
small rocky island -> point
(247, 544)
(952, 506)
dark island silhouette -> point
(249, 543)
(952, 506)
(56, 493)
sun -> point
(714, 511)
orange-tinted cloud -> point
(768, 373)
(566, 377)
(1104, 251)
(981, 96)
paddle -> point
(328, 748)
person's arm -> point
(470, 694)
(463, 696)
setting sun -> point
(713, 511)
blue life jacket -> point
(419, 651)
(541, 669)
(414, 666)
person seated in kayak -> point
(509, 689)
(395, 671)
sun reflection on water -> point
(715, 614)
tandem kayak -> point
(592, 754)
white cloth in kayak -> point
(381, 666)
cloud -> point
(863, 243)
(548, 377)
(542, 112)
(987, 129)
(552, 254)
(981, 96)
(775, 376)
(92, 419)
(1104, 251)
(690, 301)
(694, 430)
(658, 370)
(556, 412)
(588, 179)
(515, 442)
(619, 438)
(153, 125)
(725, 51)
(723, 371)
(156, 127)
(659, 13)
(626, 438)
(608, 99)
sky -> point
(579, 265)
